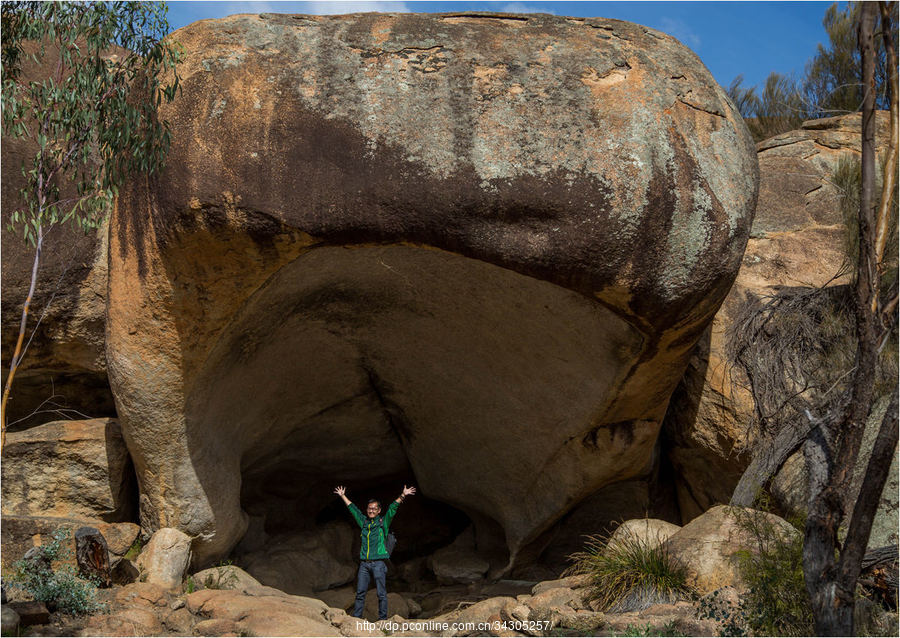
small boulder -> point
(572, 582)
(650, 532)
(556, 597)
(707, 545)
(215, 627)
(226, 577)
(179, 621)
(142, 594)
(31, 613)
(9, 620)
(459, 562)
(165, 559)
(397, 605)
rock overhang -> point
(593, 156)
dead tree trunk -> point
(833, 448)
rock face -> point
(797, 239)
(69, 469)
(469, 251)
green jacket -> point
(373, 534)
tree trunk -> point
(17, 353)
(831, 583)
(766, 463)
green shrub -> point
(61, 589)
(630, 574)
(777, 603)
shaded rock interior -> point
(375, 366)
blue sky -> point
(752, 38)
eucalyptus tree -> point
(87, 103)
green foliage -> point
(832, 82)
(744, 99)
(630, 573)
(777, 109)
(189, 585)
(846, 177)
(92, 114)
(61, 589)
(777, 602)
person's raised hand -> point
(340, 490)
(408, 491)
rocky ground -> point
(156, 595)
(549, 608)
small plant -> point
(61, 589)
(189, 585)
(777, 603)
(630, 574)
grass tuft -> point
(630, 574)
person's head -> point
(373, 509)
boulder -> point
(305, 562)
(797, 239)
(30, 612)
(264, 615)
(397, 605)
(571, 582)
(707, 545)
(340, 598)
(9, 619)
(475, 613)
(477, 250)
(650, 532)
(69, 469)
(165, 558)
(459, 562)
(226, 577)
(179, 621)
(556, 597)
(146, 594)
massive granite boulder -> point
(798, 239)
(468, 251)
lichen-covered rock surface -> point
(471, 251)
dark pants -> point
(369, 569)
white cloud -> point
(525, 7)
(681, 30)
(356, 6)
